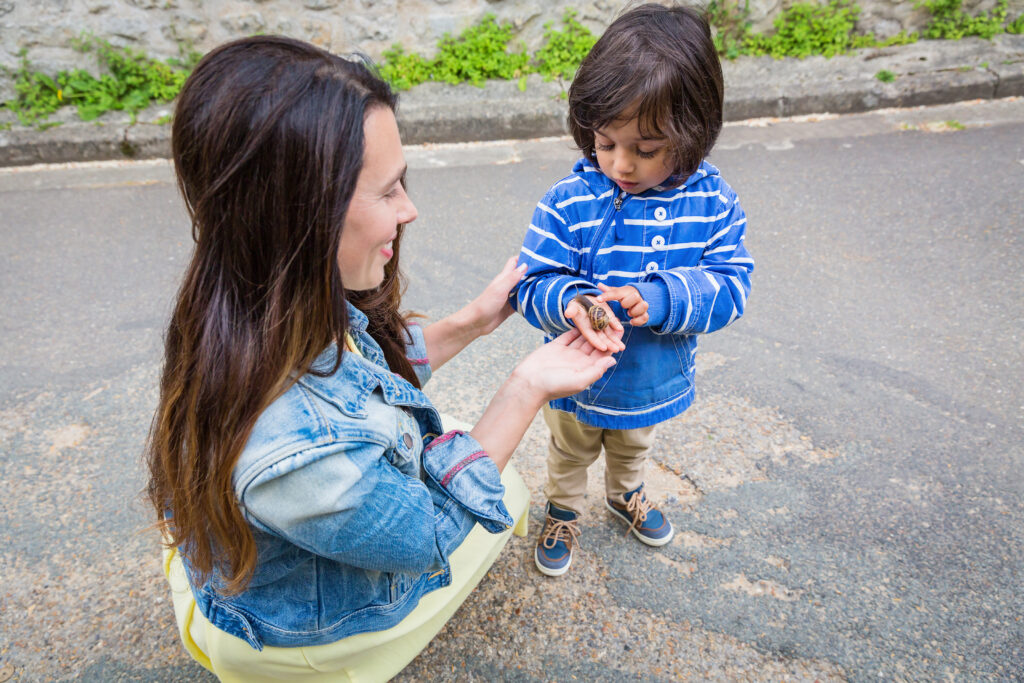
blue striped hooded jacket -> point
(681, 247)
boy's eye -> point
(647, 155)
(605, 148)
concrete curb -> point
(927, 73)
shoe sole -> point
(548, 571)
(653, 542)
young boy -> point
(647, 230)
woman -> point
(316, 516)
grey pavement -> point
(926, 73)
(847, 488)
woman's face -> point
(379, 205)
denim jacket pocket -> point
(404, 454)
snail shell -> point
(598, 318)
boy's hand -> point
(630, 300)
(609, 339)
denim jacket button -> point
(407, 439)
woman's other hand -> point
(491, 308)
(482, 315)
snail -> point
(595, 314)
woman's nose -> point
(408, 212)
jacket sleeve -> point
(712, 294)
(416, 352)
(347, 502)
(551, 252)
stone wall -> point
(45, 28)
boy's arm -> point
(709, 296)
(551, 253)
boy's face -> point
(634, 162)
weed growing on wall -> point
(949, 20)
(131, 83)
(482, 52)
(562, 51)
(802, 30)
(479, 53)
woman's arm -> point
(448, 336)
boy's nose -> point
(623, 164)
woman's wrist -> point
(522, 388)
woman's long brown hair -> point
(267, 144)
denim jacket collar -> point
(357, 378)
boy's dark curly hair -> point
(657, 64)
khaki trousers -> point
(574, 446)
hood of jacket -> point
(592, 175)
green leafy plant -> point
(562, 51)
(951, 22)
(731, 26)
(804, 29)
(885, 76)
(131, 83)
(810, 29)
(403, 69)
(479, 53)
(1016, 26)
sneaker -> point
(645, 521)
(553, 554)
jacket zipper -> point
(599, 235)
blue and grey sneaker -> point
(553, 554)
(645, 521)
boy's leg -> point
(573, 447)
(626, 452)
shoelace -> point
(637, 507)
(556, 530)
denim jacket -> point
(680, 245)
(356, 501)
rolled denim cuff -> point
(416, 352)
(459, 466)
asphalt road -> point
(848, 489)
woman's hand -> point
(491, 307)
(564, 366)
(609, 339)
